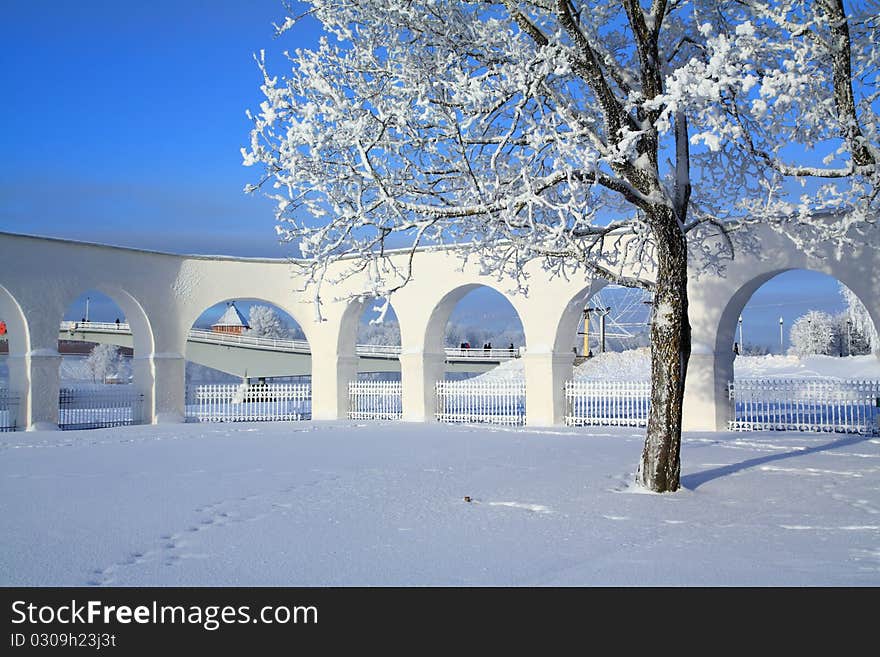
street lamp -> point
(781, 339)
(741, 344)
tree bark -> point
(660, 467)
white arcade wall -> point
(162, 295)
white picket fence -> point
(375, 400)
(8, 410)
(806, 405)
(231, 402)
(621, 403)
(95, 406)
(496, 402)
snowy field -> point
(346, 503)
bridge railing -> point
(378, 350)
(621, 403)
(295, 346)
(805, 405)
(481, 354)
(279, 344)
(487, 402)
(101, 327)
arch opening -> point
(606, 330)
(482, 333)
(247, 359)
(235, 340)
(14, 342)
(478, 333)
(102, 333)
(799, 350)
(370, 333)
(798, 323)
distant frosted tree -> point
(861, 334)
(103, 362)
(755, 350)
(384, 333)
(266, 323)
(814, 333)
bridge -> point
(250, 356)
(162, 295)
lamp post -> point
(87, 308)
(849, 337)
(741, 344)
(781, 338)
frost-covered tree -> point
(103, 362)
(596, 134)
(857, 328)
(265, 322)
(814, 333)
(384, 333)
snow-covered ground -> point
(635, 365)
(347, 503)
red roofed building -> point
(232, 321)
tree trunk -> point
(660, 467)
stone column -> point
(546, 374)
(169, 387)
(419, 372)
(330, 376)
(38, 396)
(706, 403)
(19, 388)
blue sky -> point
(122, 123)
